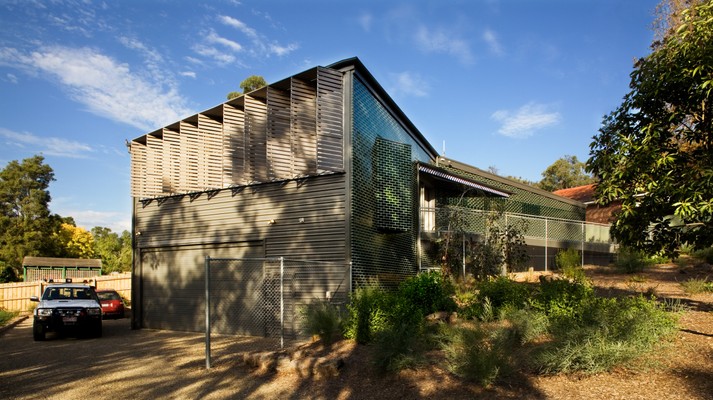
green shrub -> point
(560, 298)
(569, 261)
(473, 354)
(398, 345)
(6, 316)
(609, 332)
(366, 313)
(697, 286)
(502, 291)
(568, 258)
(632, 261)
(704, 255)
(487, 311)
(657, 259)
(467, 303)
(429, 292)
(525, 324)
(322, 318)
(394, 320)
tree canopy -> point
(26, 226)
(248, 84)
(654, 153)
(76, 242)
(114, 250)
(564, 173)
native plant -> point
(474, 353)
(569, 261)
(503, 247)
(322, 319)
(631, 261)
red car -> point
(111, 302)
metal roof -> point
(437, 172)
(61, 262)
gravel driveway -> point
(124, 363)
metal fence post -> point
(207, 312)
(583, 238)
(547, 235)
(282, 303)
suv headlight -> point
(94, 311)
(44, 312)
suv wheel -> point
(38, 332)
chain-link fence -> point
(545, 236)
(475, 221)
(264, 297)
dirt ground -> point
(159, 364)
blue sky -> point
(510, 84)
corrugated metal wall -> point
(300, 219)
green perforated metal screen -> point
(383, 240)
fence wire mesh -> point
(475, 221)
(263, 298)
(544, 235)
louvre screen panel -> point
(279, 137)
(285, 131)
(190, 146)
(233, 145)
(330, 110)
(211, 165)
(154, 165)
(138, 169)
(171, 161)
(256, 133)
(304, 127)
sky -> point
(512, 85)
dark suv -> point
(67, 308)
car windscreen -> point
(68, 293)
(108, 296)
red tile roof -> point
(580, 193)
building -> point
(322, 165)
(59, 269)
(594, 212)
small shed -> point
(39, 268)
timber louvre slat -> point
(233, 145)
(171, 161)
(288, 130)
(279, 142)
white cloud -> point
(408, 84)
(282, 50)
(88, 219)
(493, 43)
(525, 121)
(216, 39)
(441, 41)
(188, 74)
(218, 56)
(365, 20)
(260, 46)
(105, 86)
(11, 78)
(51, 146)
(152, 59)
(239, 25)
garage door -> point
(173, 283)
